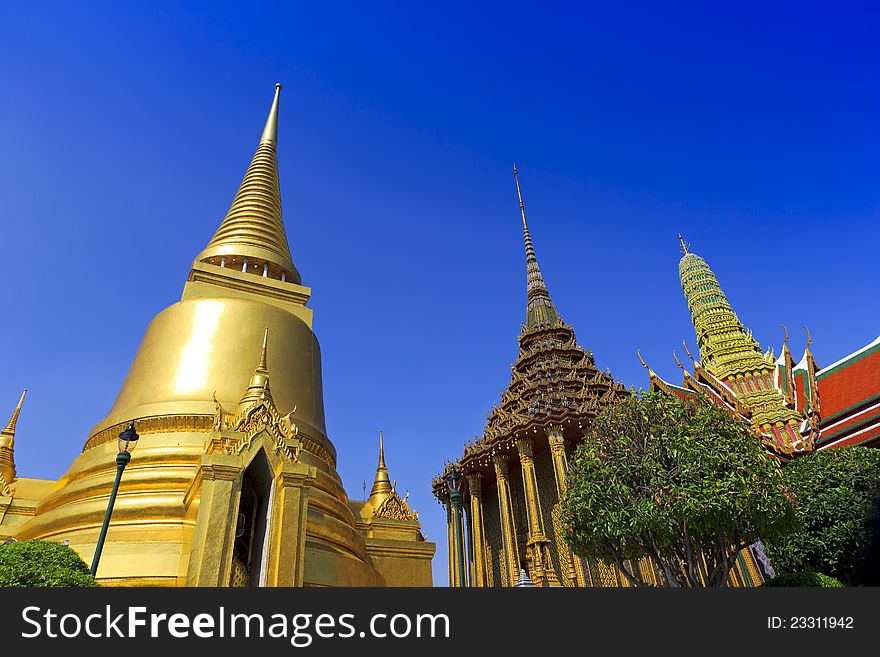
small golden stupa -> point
(234, 480)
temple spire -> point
(684, 246)
(382, 483)
(726, 347)
(262, 366)
(270, 132)
(10, 426)
(540, 310)
(7, 449)
(259, 384)
(251, 238)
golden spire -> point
(253, 229)
(262, 366)
(258, 388)
(10, 426)
(382, 484)
(270, 132)
(539, 309)
(7, 452)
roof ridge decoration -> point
(540, 311)
(252, 232)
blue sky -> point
(126, 129)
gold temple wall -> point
(745, 572)
(492, 519)
(547, 493)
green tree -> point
(836, 493)
(42, 563)
(672, 479)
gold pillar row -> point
(539, 544)
(476, 530)
(508, 532)
(573, 566)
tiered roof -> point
(734, 371)
(554, 381)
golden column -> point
(505, 510)
(574, 568)
(543, 573)
(477, 533)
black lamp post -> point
(453, 483)
(127, 442)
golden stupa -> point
(234, 479)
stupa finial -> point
(382, 487)
(540, 310)
(270, 132)
(10, 426)
(251, 238)
(684, 246)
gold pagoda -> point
(515, 472)
(234, 481)
(733, 371)
(514, 475)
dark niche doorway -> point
(252, 522)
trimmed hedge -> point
(804, 579)
(42, 564)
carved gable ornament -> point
(395, 508)
(262, 415)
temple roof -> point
(554, 381)
(854, 355)
(253, 227)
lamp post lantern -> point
(127, 442)
(453, 483)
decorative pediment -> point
(395, 508)
(261, 415)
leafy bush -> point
(835, 492)
(683, 482)
(804, 579)
(42, 563)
